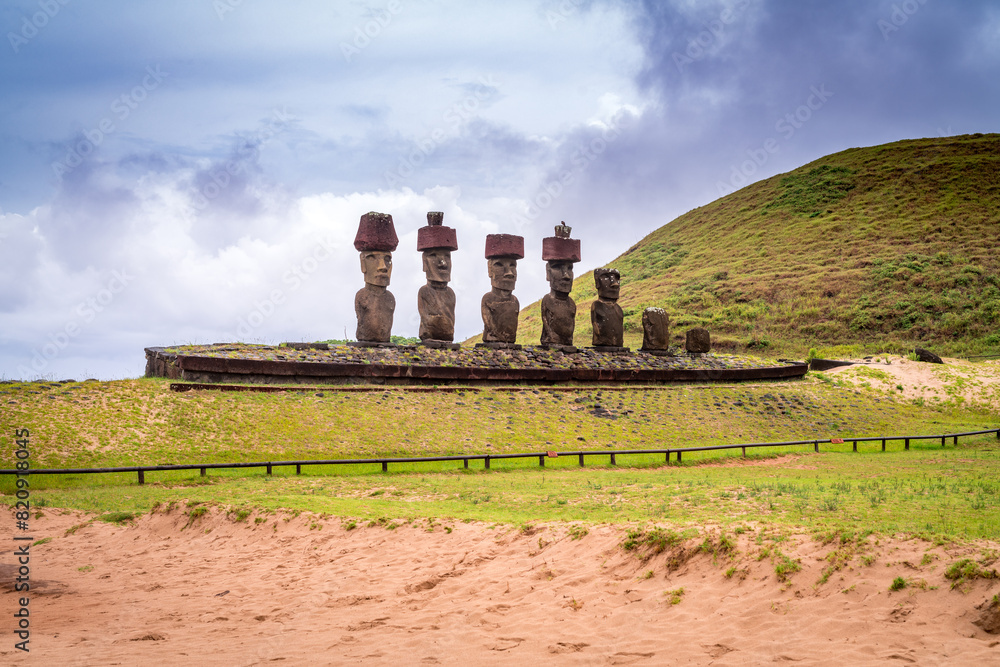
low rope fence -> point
(487, 458)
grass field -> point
(929, 490)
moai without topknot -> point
(499, 306)
(374, 304)
(606, 315)
(435, 300)
(560, 252)
(698, 341)
(655, 331)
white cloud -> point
(291, 277)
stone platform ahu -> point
(373, 359)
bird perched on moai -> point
(499, 306)
(560, 252)
(435, 300)
(606, 315)
(374, 304)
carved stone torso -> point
(655, 329)
(500, 318)
(608, 322)
(374, 308)
(436, 306)
(558, 320)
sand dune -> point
(304, 590)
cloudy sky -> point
(194, 171)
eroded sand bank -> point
(304, 590)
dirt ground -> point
(956, 380)
(284, 589)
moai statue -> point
(435, 300)
(606, 315)
(560, 252)
(500, 307)
(374, 304)
(698, 341)
(655, 331)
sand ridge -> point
(166, 589)
(958, 380)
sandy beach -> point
(279, 588)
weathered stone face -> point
(377, 267)
(655, 329)
(698, 341)
(503, 273)
(437, 264)
(560, 276)
(608, 283)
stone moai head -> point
(437, 242)
(377, 267)
(502, 253)
(608, 283)
(376, 239)
(560, 252)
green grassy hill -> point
(879, 248)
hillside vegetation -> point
(879, 248)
